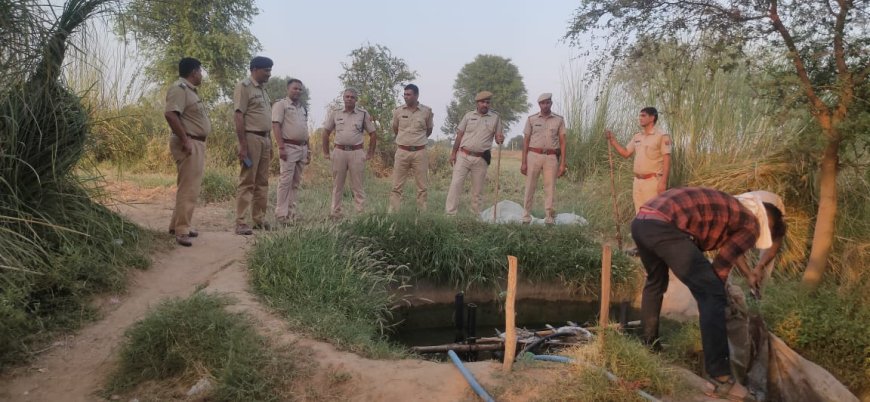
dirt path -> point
(74, 368)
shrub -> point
(217, 186)
(195, 337)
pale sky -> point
(310, 39)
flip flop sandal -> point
(723, 390)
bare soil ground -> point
(76, 365)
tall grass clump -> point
(57, 247)
(184, 340)
(328, 287)
(465, 253)
(217, 185)
(828, 326)
(629, 360)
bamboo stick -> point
(510, 344)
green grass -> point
(829, 327)
(629, 360)
(217, 186)
(183, 340)
(328, 288)
(465, 253)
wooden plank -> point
(510, 344)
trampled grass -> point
(184, 340)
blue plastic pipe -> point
(469, 377)
(610, 376)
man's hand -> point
(369, 156)
(562, 170)
(453, 159)
(609, 135)
(282, 153)
(499, 138)
(307, 160)
(662, 186)
(752, 282)
(186, 147)
(243, 153)
(524, 168)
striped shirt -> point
(716, 221)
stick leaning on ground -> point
(613, 196)
(497, 184)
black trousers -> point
(661, 245)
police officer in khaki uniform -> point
(474, 137)
(290, 128)
(412, 125)
(350, 125)
(652, 160)
(190, 126)
(543, 152)
(253, 121)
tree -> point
(380, 77)
(215, 32)
(276, 87)
(487, 73)
(824, 44)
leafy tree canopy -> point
(215, 32)
(487, 73)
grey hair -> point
(352, 90)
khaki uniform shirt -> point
(544, 131)
(413, 124)
(649, 150)
(348, 127)
(292, 118)
(183, 99)
(479, 130)
(251, 99)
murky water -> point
(433, 324)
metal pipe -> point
(458, 316)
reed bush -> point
(184, 340)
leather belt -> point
(472, 153)
(348, 147)
(645, 176)
(651, 214)
(294, 142)
(412, 148)
(544, 151)
(260, 133)
(200, 138)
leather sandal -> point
(728, 390)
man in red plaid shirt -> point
(674, 230)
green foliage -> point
(276, 87)
(183, 338)
(380, 77)
(215, 32)
(57, 247)
(828, 327)
(487, 73)
(327, 287)
(627, 359)
(465, 253)
(217, 185)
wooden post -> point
(510, 339)
(604, 312)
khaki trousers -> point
(465, 165)
(644, 190)
(537, 164)
(288, 182)
(254, 181)
(190, 171)
(346, 163)
(408, 163)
